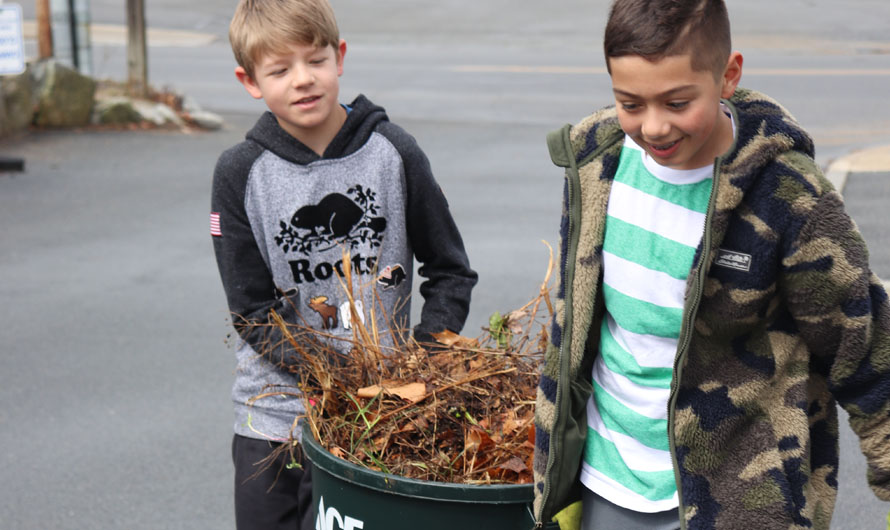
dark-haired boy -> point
(715, 302)
(312, 177)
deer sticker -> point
(328, 312)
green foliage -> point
(497, 327)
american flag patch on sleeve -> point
(214, 224)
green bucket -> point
(350, 497)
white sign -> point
(331, 519)
(12, 44)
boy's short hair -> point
(260, 27)
(654, 29)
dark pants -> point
(275, 498)
(602, 514)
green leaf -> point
(498, 330)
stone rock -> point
(64, 95)
(190, 106)
(207, 120)
(16, 97)
(157, 113)
(115, 110)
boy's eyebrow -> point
(667, 93)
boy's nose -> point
(655, 126)
(303, 76)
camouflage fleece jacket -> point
(782, 320)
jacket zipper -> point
(686, 335)
(568, 267)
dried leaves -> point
(460, 410)
(457, 415)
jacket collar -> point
(765, 131)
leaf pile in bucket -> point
(460, 410)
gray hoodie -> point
(281, 217)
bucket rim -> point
(420, 489)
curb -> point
(838, 172)
(874, 159)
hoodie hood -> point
(360, 123)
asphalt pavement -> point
(115, 378)
(867, 196)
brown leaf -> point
(515, 465)
(543, 339)
(446, 337)
(412, 392)
(457, 372)
(453, 340)
(369, 392)
(411, 426)
(477, 440)
(514, 321)
(510, 423)
(472, 441)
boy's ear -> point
(341, 53)
(249, 84)
(732, 75)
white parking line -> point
(112, 34)
(593, 70)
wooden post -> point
(7, 163)
(3, 118)
(137, 58)
(44, 30)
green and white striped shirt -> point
(654, 224)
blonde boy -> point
(315, 176)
